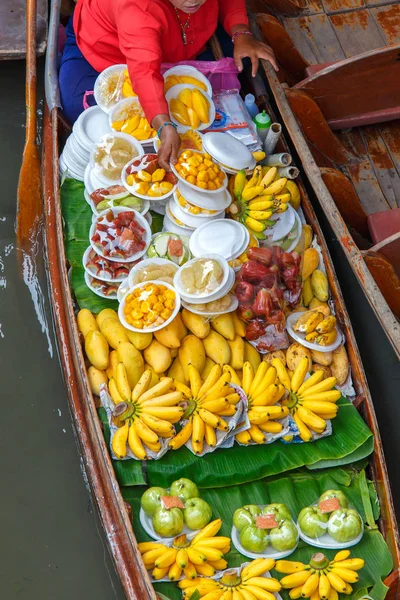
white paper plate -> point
(269, 552)
(169, 225)
(192, 308)
(283, 223)
(219, 201)
(147, 525)
(88, 281)
(192, 72)
(225, 148)
(133, 191)
(92, 183)
(91, 125)
(173, 94)
(144, 263)
(300, 337)
(225, 236)
(101, 79)
(173, 212)
(66, 170)
(216, 295)
(85, 259)
(326, 541)
(218, 213)
(143, 211)
(195, 187)
(115, 115)
(136, 150)
(141, 220)
(121, 314)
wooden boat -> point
(337, 93)
(113, 512)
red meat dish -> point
(119, 236)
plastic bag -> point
(222, 74)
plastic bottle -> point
(263, 123)
(251, 105)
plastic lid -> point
(262, 120)
(224, 236)
(228, 151)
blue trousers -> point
(76, 76)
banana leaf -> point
(350, 441)
(296, 490)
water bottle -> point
(263, 123)
(251, 105)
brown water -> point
(52, 547)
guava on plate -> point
(280, 511)
(197, 513)
(151, 500)
(284, 537)
(344, 525)
(245, 516)
(184, 489)
(254, 539)
(168, 522)
(344, 503)
(312, 521)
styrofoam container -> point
(229, 152)
(203, 297)
(90, 126)
(68, 171)
(139, 218)
(216, 295)
(227, 237)
(195, 187)
(132, 189)
(177, 221)
(144, 263)
(85, 260)
(136, 150)
(103, 80)
(300, 337)
(121, 314)
(192, 308)
(92, 183)
(173, 94)
(117, 111)
(219, 201)
(217, 213)
(191, 72)
(190, 220)
(83, 153)
(88, 281)
(169, 225)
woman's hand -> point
(170, 142)
(246, 46)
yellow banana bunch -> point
(311, 402)
(320, 579)
(145, 414)
(319, 329)
(246, 585)
(201, 557)
(208, 402)
(263, 393)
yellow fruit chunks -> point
(150, 185)
(149, 306)
(132, 122)
(198, 169)
(172, 80)
(190, 108)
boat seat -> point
(384, 224)
(313, 69)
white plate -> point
(85, 259)
(121, 315)
(192, 308)
(116, 116)
(159, 208)
(300, 337)
(195, 187)
(68, 172)
(283, 223)
(269, 552)
(200, 215)
(173, 94)
(136, 150)
(147, 524)
(92, 183)
(133, 191)
(73, 156)
(216, 295)
(88, 281)
(226, 270)
(144, 263)
(225, 236)
(224, 147)
(219, 201)
(91, 125)
(101, 79)
(172, 227)
(139, 218)
(326, 541)
(174, 217)
(192, 72)
(143, 211)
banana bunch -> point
(318, 328)
(263, 392)
(320, 579)
(310, 402)
(190, 108)
(202, 556)
(207, 402)
(249, 584)
(148, 415)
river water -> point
(52, 544)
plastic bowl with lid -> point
(111, 153)
(192, 186)
(150, 329)
(148, 163)
(126, 109)
(189, 71)
(203, 296)
(173, 94)
(229, 152)
(225, 289)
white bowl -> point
(132, 190)
(228, 238)
(172, 227)
(192, 72)
(219, 201)
(102, 79)
(207, 297)
(88, 281)
(195, 187)
(121, 314)
(300, 337)
(90, 180)
(201, 215)
(85, 260)
(91, 124)
(175, 219)
(144, 263)
(136, 150)
(192, 308)
(119, 108)
(139, 218)
(173, 94)
(143, 211)
(224, 147)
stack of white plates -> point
(226, 237)
(88, 128)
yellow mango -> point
(340, 365)
(251, 355)
(192, 352)
(307, 292)
(97, 351)
(139, 340)
(320, 306)
(193, 81)
(193, 118)
(237, 352)
(127, 90)
(319, 284)
(106, 313)
(200, 106)
(174, 352)
(114, 332)
(132, 360)
(209, 364)
(308, 236)
(96, 379)
(176, 371)
(182, 331)
(197, 324)
(217, 348)
(179, 111)
(157, 356)
(185, 96)
(169, 336)
(240, 326)
(310, 262)
(170, 82)
(224, 325)
(86, 322)
(112, 367)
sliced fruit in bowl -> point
(170, 246)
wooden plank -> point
(371, 3)
(357, 32)
(311, 7)
(367, 186)
(302, 44)
(335, 6)
(321, 37)
(388, 21)
(385, 171)
(390, 133)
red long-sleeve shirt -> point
(145, 33)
